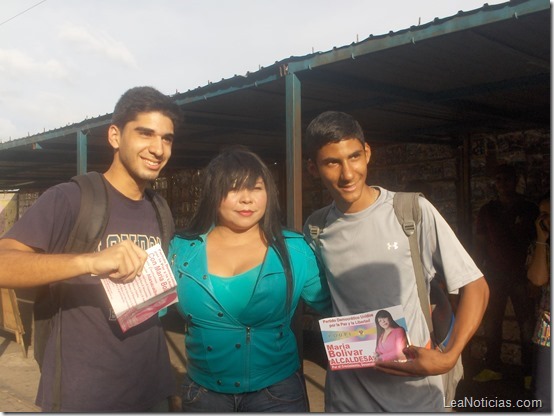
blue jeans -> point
(287, 396)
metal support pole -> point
(294, 183)
(82, 145)
(464, 196)
(293, 152)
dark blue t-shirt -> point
(103, 369)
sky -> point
(63, 61)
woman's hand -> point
(541, 225)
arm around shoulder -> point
(315, 291)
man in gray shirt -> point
(368, 264)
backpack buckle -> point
(409, 227)
(314, 233)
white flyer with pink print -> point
(136, 301)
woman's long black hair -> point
(239, 168)
(384, 314)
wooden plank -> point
(10, 318)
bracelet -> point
(540, 242)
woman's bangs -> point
(244, 177)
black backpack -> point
(89, 227)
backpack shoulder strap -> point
(89, 225)
(93, 213)
(165, 218)
(406, 208)
(408, 212)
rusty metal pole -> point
(294, 183)
(293, 152)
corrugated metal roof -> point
(485, 70)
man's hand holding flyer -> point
(146, 295)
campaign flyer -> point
(136, 301)
(357, 341)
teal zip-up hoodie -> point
(237, 355)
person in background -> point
(391, 337)
(102, 368)
(368, 265)
(538, 272)
(504, 230)
(240, 277)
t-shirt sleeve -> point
(442, 251)
(46, 225)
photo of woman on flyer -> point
(391, 338)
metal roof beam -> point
(55, 134)
(356, 83)
(448, 95)
(237, 123)
(416, 34)
(192, 98)
(532, 59)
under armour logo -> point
(392, 246)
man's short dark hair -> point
(144, 100)
(330, 127)
(506, 170)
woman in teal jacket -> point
(240, 277)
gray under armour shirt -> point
(368, 265)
